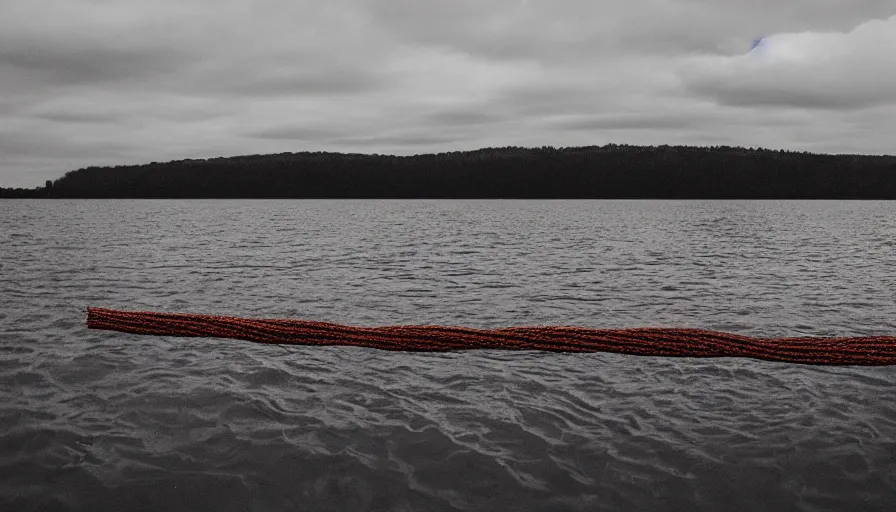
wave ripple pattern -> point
(96, 420)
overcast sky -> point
(108, 82)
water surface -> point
(93, 420)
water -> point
(94, 420)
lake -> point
(97, 420)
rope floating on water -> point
(647, 341)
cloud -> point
(302, 84)
(814, 70)
(397, 140)
(77, 117)
(91, 82)
(56, 64)
(462, 116)
(297, 133)
(555, 30)
(634, 121)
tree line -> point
(596, 172)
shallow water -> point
(93, 420)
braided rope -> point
(648, 341)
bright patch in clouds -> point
(824, 70)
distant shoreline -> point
(49, 199)
(594, 172)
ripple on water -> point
(104, 421)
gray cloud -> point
(813, 70)
(104, 83)
(396, 140)
(832, 96)
(574, 29)
(462, 117)
(72, 65)
(301, 84)
(77, 117)
(297, 133)
(639, 121)
(23, 146)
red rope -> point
(670, 342)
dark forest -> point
(607, 172)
